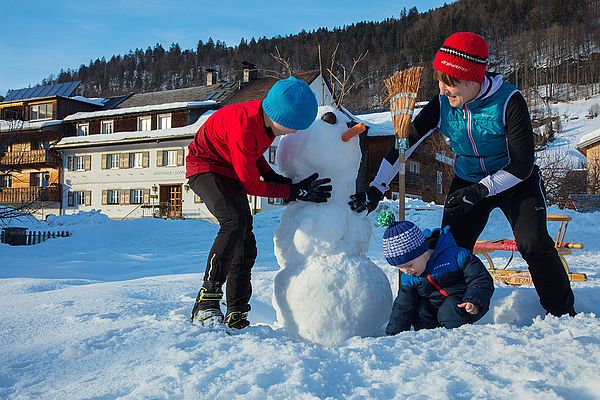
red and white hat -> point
(463, 56)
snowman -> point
(327, 290)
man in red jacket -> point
(225, 163)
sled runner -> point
(522, 277)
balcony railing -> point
(29, 157)
(30, 194)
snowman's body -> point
(327, 289)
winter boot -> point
(207, 309)
(237, 318)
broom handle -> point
(401, 145)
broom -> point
(402, 90)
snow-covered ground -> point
(104, 314)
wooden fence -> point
(20, 236)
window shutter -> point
(159, 158)
(70, 165)
(179, 157)
(146, 198)
(70, 199)
(145, 159)
(125, 196)
(87, 162)
(124, 160)
(88, 198)
(104, 197)
(103, 166)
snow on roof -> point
(132, 110)
(380, 123)
(188, 130)
(97, 101)
(589, 138)
(6, 126)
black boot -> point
(237, 317)
(207, 309)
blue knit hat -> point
(403, 241)
(291, 103)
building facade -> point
(31, 122)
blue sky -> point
(38, 38)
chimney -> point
(211, 76)
(250, 71)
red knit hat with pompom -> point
(463, 56)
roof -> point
(19, 126)
(183, 132)
(65, 89)
(257, 89)
(196, 93)
(584, 202)
(588, 140)
(142, 109)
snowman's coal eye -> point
(329, 117)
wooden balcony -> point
(30, 195)
(29, 158)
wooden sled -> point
(522, 277)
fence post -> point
(39, 237)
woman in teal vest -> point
(487, 123)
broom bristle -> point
(402, 94)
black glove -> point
(274, 177)
(311, 189)
(461, 201)
(367, 200)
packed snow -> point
(104, 314)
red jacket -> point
(231, 142)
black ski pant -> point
(233, 252)
(449, 315)
(524, 205)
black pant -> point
(524, 205)
(233, 252)
(449, 315)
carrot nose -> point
(354, 131)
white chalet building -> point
(129, 162)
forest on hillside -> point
(534, 43)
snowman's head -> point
(330, 146)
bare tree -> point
(593, 176)
(340, 77)
(560, 180)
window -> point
(135, 160)
(79, 163)
(439, 179)
(83, 129)
(414, 166)
(39, 179)
(78, 198)
(40, 111)
(136, 196)
(145, 123)
(170, 158)
(107, 127)
(272, 154)
(40, 145)
(112, 196)
(112, 161)
(164, 121)
(5, 181)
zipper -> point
(467, 116)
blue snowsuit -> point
(453, 275)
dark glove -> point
(274, 177)
(367, 200)
(311, 189)
(461, 201)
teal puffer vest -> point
(477, 133)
